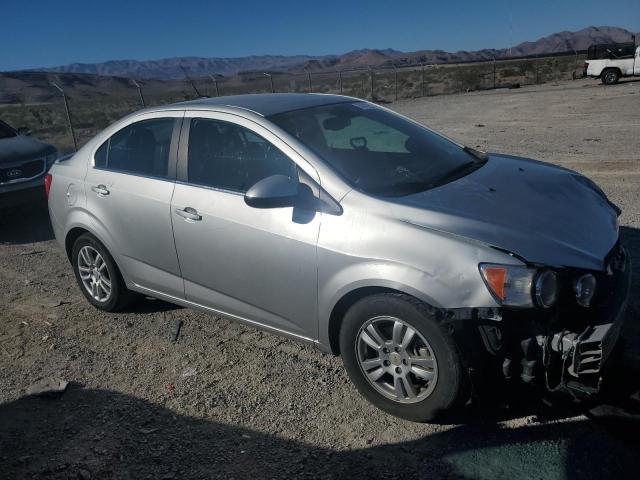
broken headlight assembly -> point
(585, 288)
(522, 287)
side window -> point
(141, 148)
(230, 157)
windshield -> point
(376, 151)
(6, 131)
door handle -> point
(189, 214)
(101, 190)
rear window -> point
(141, 148)
(611, 51)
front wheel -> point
(401, 359)
(610, 76)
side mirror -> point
(273, 192)
(23, 131)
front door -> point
(256, 264)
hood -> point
(542, 213)
(22, 147)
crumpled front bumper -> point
(573, 361)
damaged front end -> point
(564, 347)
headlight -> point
(546, 289)
(516, 286)
(584, 288)
(511, 285)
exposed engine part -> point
(530, 360)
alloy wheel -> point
(94, 274)
(396, 359)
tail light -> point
(47, 184)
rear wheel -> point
(401, 359)
(98, 276)
(610, 76)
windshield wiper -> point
(478, 154)
(458, 172)
(479, 159)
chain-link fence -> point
(73, 110)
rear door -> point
(129, 189)
(256, 264)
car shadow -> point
(25, 224)
(88, 433)
(144, 304)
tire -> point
(447, 386)
(610, 76)
(82, 254)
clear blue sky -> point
(41, 33)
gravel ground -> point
(228, 401)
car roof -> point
(266, 104)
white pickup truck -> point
(610, 62)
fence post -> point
(340, 80)
(215, 82)
(373, 96)
(273, 90)
(423, 86)
(494, 73)
(193, 85)
(395, 80)
(137, 85)
(309, 80)
(66, 107)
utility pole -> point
(423, 85)
(66, 107)
(340, 80)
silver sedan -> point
(429, 266)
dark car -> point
(24, 161)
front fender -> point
(440, 287)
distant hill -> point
(171, 68)
(580, 40)
(555, 43)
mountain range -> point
(173, 68)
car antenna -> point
(193, 85)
